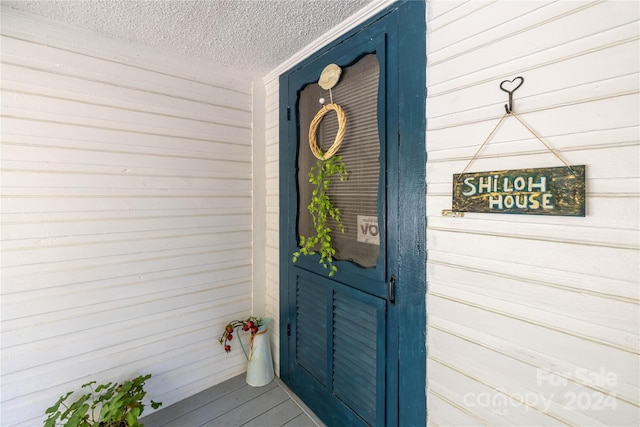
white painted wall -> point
(522, 309)
(126, 216)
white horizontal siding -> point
(272, 214)
(513, 298)
(126, 216)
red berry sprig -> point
(251, 324)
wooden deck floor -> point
(233, 403)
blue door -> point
(353, 342)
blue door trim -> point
(412, 97)
(411, 167)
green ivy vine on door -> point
(321, 209)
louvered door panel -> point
(339, 338)
(357, 354)
(311, 329)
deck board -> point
(302, 420)
(243, 414)
(279, 415)
(233, 403)
(165, 416)
(245, 396)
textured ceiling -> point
(249, 35)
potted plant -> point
(260, 363)
(250, 324)
(104, 405)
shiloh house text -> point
(524, 192)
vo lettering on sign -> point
(368, 230)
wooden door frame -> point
(411, 288)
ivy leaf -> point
(320, 209)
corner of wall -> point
(259, 289)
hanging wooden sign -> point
(540, 191)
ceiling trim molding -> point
(353, 21)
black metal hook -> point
(509, 108)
